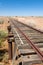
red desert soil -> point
(4, 26)
(35, 22)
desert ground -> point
(35, 22)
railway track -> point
(29, 44)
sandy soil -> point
(35, 22)
(4, 26)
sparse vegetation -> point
(3, 36)
(1, 21)
(5, 57)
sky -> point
(21, 7)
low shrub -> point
(3, 35)
(1, 21)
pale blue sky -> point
(21, 7)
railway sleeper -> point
(26, 46)
(29, 60)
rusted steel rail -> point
(36, 49)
